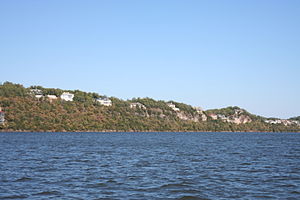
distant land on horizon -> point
(48, 109)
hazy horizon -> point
(211, 54)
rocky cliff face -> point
(197, 117)
(235, 115)
(243, 119)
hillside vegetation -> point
(25, 112)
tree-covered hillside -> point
(295, 118)
(30, 109)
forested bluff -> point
(39, 109)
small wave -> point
(111, 181)
(56, 157)
(245, 163)
(47, 170)
(45, 193)
(264, 197)
(255, 171)
(191, 198)
(23, 179)
(295, 192)
(186, 191)
(80, 160)
(15, 197)
(288, 185)
(96, 185)
(142, 164)
(175, 185)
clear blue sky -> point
(204, 53)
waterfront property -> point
(171, 105)
(38, 96)
(51, 97)
(213, 116)
(104, 101)
(137, 105)
(282, 121)
(36, 91)
(66, 96)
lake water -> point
(149, 166)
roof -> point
(67, 93)
(104, 99)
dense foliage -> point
(295, 118)
(25, 112)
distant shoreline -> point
(115, 131)
(38, 109)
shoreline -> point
(149, 131)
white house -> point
(137, 105)
(275, 121)
(104, 101)
(38, 96)
(51, 97)
(36, 91)
(171, 105)
(222, 117)
(66, 96)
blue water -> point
(149, 166)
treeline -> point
(24, 112)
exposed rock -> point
(162, 115)
(203, 117)
(181, 115)
(243, 119)
(238, 117)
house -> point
(2, 115)
(213, 116)
(238, 111)
(171, 105)
(36, 91)
(222, 117)
(66, 96)
(137, 105)
(51, 97)
(38, 96)
(104, 101)
(276, 121)
(282, 121)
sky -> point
(211, 53)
